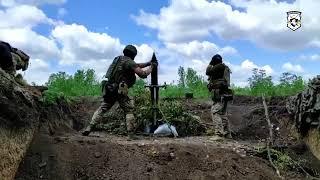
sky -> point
(67, 35)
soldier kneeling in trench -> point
(219, 83)
(121, 76)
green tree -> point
(288, 78)
(192, 78)
(182, 76)
(260, 83)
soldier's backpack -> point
(108, 85)
(226, 75)
(222, 83)
(5, 56)
(24, 58)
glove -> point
(154, 64)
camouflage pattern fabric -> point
(20, 61)
(121, 77)
(122, 70)
(125, 103)
(219, 81)
(219, 114)
(15, 60)
(219, 119)
(19, 79)
(305, 107)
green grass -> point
(62, 85)
(85, 83)
(282, 89)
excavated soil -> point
(60, 152)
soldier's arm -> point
(143, 65)
(143, 73)
(209, 70)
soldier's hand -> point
(154, 64)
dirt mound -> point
(253, 125)
(59, 152)
(19, 119)
(110, 157)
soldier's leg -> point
(5, 58)
(225, 119)
(217, 119)
(98, 115)
(127, 105)
(12, 69)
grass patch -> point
(62, 85)
(281, 159)
(85, 83)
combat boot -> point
(87, 131)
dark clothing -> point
(219, 79)
(6, 62)
(219, 82)
(215, 72)
(122, 70)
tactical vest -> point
(220, 77)
(119, 71)
(5, 56)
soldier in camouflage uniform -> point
(120, 77)
(6, 62)
(219, 83)
(305, 107)
(13, 59)
(20, 60)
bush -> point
(82, 83)
(261, 84)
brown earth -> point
(60, 152)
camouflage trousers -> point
(220, 119)
(125, 103)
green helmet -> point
(130, 51)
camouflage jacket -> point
(305, 106)
(20, 59)
(122, 70)
(219, 76)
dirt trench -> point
(60, 152)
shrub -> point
(82, 83)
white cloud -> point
(241, 72)
(37, 72)
(297, 68)
(80, 45)
(10, 3)
(92, 50)
(313, 57)
(262, 22)
(202, 50)
(23, 16)
(38, 64)
(37, 46)
(16, 28)
(99, 65)
(144, 53)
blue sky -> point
(68, 35)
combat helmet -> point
(130, 51)
(216, 59)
